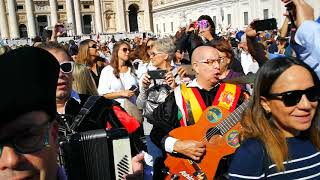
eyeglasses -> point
(66, 67)
(210, 61)
(154, 53)
(292, 98)
(30, 141)
(125, 50)
(93, 46)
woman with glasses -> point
(154, 87)
(226, 60)
(281, 138)
(89, 56)
(117, 80)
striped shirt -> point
(252, 162)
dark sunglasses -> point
(93, 46)
(66, 67)
(125, 50)
(292, 98)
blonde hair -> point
(83, 54)
(83, 82)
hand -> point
(206, 34)
(137, 167)
(191, 27)
(170, 80)
(304, 11)
(250, 32)
(190, 148)
(127, 93)
(181, 72)
(146, 81)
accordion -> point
(98, 155)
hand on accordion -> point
(137, 167)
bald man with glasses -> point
(174, 113)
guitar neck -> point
(233, 118)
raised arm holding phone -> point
(307, 35)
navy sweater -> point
(252, 162)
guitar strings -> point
(215, 130)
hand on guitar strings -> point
(190, 148)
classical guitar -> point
(219, 129)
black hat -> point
(29, 77)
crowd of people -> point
(163, 84)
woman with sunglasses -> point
(281, 138)
(89, 56)
(118, 78)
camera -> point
(266, 24)
(157, 74)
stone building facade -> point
(28, 18)
(168, 15)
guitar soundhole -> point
(211, 132)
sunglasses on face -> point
(66, 67)
(292, 98)
(93, 46)
(125, 50)
(30, 141)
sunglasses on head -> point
(292, 98)
(125, 50)
(93, 46)
(66, 67)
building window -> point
(246, 20)
(157, 27)
(214, 19)
(171, 26)
(86, 6)
(20, 7)
(229, 19)
(60, 7)
(265, 13)
(164, 27)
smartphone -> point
(133, 88)
(266, 24)
(203, 24)
(157, 74)
(60, 28)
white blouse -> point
(108, 83)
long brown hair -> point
(114, 62)
(83, 54)
(258, 124)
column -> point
(14, 30)
(70, 17)
(97, 15)
(121, 20)
(147, 19)
(3, 21)
(77, 16)
(31, 21)
(127, 21)
(53, 10)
